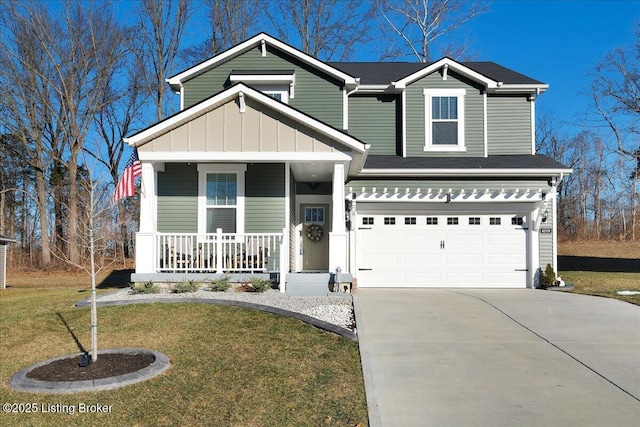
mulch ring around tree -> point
(114, 368)
(107, 365)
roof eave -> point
(498, 173)
(175, 82)
(184, 116)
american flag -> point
(126, 187)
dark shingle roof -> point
(524, 161)
(379, 73)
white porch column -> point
(145, 238)
(338, 236)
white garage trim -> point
(453, 248)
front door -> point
(314, 241)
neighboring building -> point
(4, 248)
(401, 174)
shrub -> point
(145, 288)
(221, 284)
(260, 285)
(548, 277)
(186, 286)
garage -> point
(442, 250)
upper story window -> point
(444, 119)
(278, 84)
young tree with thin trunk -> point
(97, 238)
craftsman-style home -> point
(396, 174)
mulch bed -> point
(108, 365)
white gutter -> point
(462, 172)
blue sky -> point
(556, 42)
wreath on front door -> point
(314, 232)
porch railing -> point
(218, 252)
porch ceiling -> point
(312, 171)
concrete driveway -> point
(462, 357)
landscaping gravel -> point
(337, 310)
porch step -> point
(308, 284)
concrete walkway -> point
(435, 357)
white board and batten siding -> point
(442, 250)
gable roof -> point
(259, 40)
(380, 73)
(238, 91)
(397, 75)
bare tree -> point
(615, 93)
(162, 25)
(67, 60)
(326, 29)
(96, 238)
(229, 23)
(419, 25)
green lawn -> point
(604, 284)
(230, 366)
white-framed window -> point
(278, 85)
(314, 215)
(221, 198)
(279, 92)
(444, 119)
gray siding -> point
(372, 119)
(3, 266)
(509, 124)
(546, 241)
(265, 198)
(315, 94)
(178, 198)
(473, 117)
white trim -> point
(442, 195)
(239, 156)
(148, 198)
(428, 96)
(451, 64)
(520, 88)
(493, 86)
(463, 172)
(403, 99)
(206, 168)
(263, 78)
(533, 125)
(345, 109)
(485, 123)
(261, 39)
(231, 93)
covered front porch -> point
(230, 185)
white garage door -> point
(441, 251)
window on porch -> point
(222, 190)
(221, 198)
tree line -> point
(78, 76)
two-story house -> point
(400, 174)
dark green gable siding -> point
(315, 94)
(265, 198)
(509, 128)
(473, 119)
(178, 198)
(373, 119)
